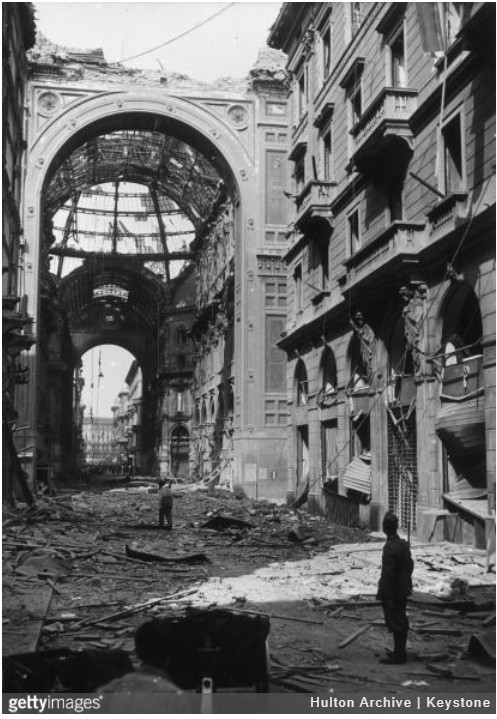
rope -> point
(177, 37)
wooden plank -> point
(352, 637)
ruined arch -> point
(80, 124)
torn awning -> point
(357, 475)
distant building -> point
(98, 438)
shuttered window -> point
(275, 358)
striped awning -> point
(357, 476)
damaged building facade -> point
(154, 219)
(390, 332)
(301, 263)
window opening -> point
(354, 234)
(326, 52)
(453, 169)
(327, 150)
(398, 76)
(300, 175)
(297, 278)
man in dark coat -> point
(394, 587)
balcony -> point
(398, 245)
(444, 217)
(314, 202)
(384, 125)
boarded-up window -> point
(275, 183)
(275, 358)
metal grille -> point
(402, 467)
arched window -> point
(328, 373)
(301, 384)
(462, 326)
(203, 413)
(212, 410)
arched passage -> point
(117, 189)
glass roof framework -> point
(134, 193)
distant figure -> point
(165, 503)
(394, 587)
(150, 688)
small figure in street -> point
(394, 587)
(165, 503)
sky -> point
(115, 363)
(225, 46)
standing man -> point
(394, 587)
(165, 503)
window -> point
(354, 232)
(398, 76)
(301, 93)
(355, 103)
(326, 53)
(301, 382)
(326, 155)
(355, 16)
(275, 184)
(299, 175)
(276, 412)
(395, 199)
(275, 293)
(180, 400)
(297, 278)
(275, 357)
(453, 157)
(329, 374)
(321, 255)
(452, 20)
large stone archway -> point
(224, 127)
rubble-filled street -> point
(85, 568)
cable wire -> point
(182, 34)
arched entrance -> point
(117, 188)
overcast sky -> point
(227, 45)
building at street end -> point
(390, 268)
(154, 219)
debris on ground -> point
(110, 567)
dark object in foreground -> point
(148, 557)
(228, 647)
(223, 521)
(63, 670)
